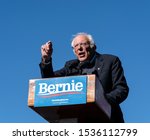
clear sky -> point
(119, 27)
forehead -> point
(81, 38)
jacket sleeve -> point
(69, 69)
(46, 70)
(120, 89)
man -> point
(107, 68)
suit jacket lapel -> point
(99, 64)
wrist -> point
(46, 61)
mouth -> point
(81, 54)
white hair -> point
(90, 38)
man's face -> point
(82, 48)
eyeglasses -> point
(83, 44)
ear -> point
(73, 51)
(94, 47)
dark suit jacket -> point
(108, 70)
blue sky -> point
(119, 27)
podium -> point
(72, 99)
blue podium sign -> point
(60, 91)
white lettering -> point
(51, 88)
(73, 85)
(79, 86)
(66, 87)
(45, 89)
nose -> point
(80, 47)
